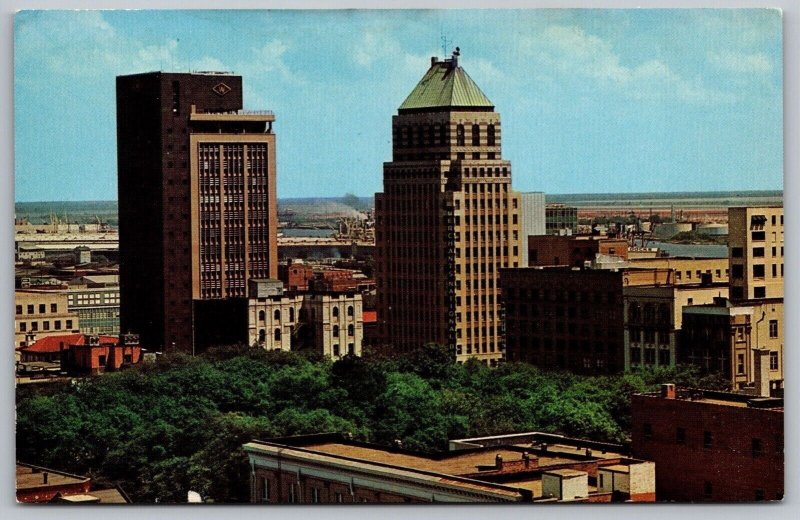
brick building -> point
(447, 220)
(574, 251)
(37, 485)
(197, 208)
(710, 446)
(561, 318)
(331, 469)
(82, 354)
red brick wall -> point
(683, 469)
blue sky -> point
(590, 100)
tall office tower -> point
(755, 250)
(447, 221)
(197, 209)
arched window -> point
(291, 314)
(262, 335)
(460, 135)
(277, 315)
(335, 312)
(476, 135)
(262, 315)
(335, 331)
(350, 311)
(649, 313)
(351, 330)
(663, 313)
(277, 334)
(634, 312)
(443, 135)
(490, 135)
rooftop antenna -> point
(445, 41)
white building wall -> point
(533, 220)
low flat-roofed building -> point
(687, 270)
(574, 251)
(36, 484)
(710, 446)
(330, 468)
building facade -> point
(42, 313)
(687, 270)
(653, 320)
(561, 219)
(532, 216)
(710, 446)
(561, 318)
(197, 208)
(755, 248)
(447, 220)
(330, 323)
(741, 341)
(574, 251)
(97, 308)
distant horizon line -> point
(780, 190)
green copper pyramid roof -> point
(446, 85)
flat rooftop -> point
(689, 395)
(33, 477)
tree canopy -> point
(162, 429)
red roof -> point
(370, 316)
(53, 343)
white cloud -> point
(571, 50)
(742, 63)
(269, 59)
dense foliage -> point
(178, 424)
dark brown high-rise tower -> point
(447, 220)
(197, 208)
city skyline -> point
(611, 94)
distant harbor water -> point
(695, 250)
(299, 232)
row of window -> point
(756, 444)
(265, 493)
(34, 325)
(42, 307)
(759, 271)
(664, 356)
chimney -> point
(526, 459)
(498, 461)
(668, 391)
(761, 371)
(434, 59)
(44, 477)
(588, 452)
(544, 447)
